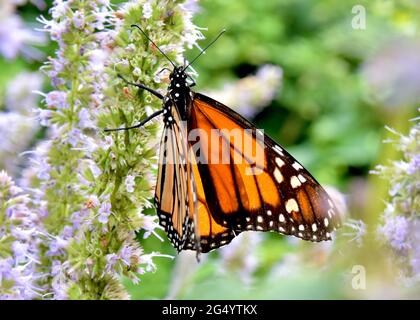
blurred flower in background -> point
(240, 258)
(18, 124)
(401, 219)
(22, 93)
(16, 37)
(19, 244)
(249, 95)
(393, 74)
(16, 132)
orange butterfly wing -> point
(179, 195)
(282, 196)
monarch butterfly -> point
(203, 205)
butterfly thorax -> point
(178, 95)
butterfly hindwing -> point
(174, 188)
(211, 234)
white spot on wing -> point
(294, 182)
(291, 205)
(297, 166)
(278, 175)
(301, 178)
(278, 150)
(279, 162)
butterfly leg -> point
(142, 86)
(142, 123)
(193, 82)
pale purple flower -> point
(56, 99)
(57, 245)
(111, 260)
(85, 119)
(74, 137)
(56, 267)
(60, 8)
(44, 116)
(147, 10)
(191, 6)
(19, 130)
(20, 96)
(15, 37)
(43, 170)
(130, 183)
(147, 259)
(78, 217)
(101, 15)
(58, 63)
(414, 165)
(396, 230)
(19, 225)
(240, 256)
(104, 212)
(356, 230)
(149, 224)
(67, 232)
(191, 33)
(96, 171)
(93, 201)
(59, 289)
(56, 29)
(6, 266)
(250, 94)
(393, 74)
(415, 240)
(78, 20)
(125, 254)
(97, 59)
(20, 250)
(5, 180)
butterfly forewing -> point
(281, 197)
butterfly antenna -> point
(204, 50)
(147, 37)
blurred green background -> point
(340, 86)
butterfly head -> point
(178, 78)
(178, 74)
